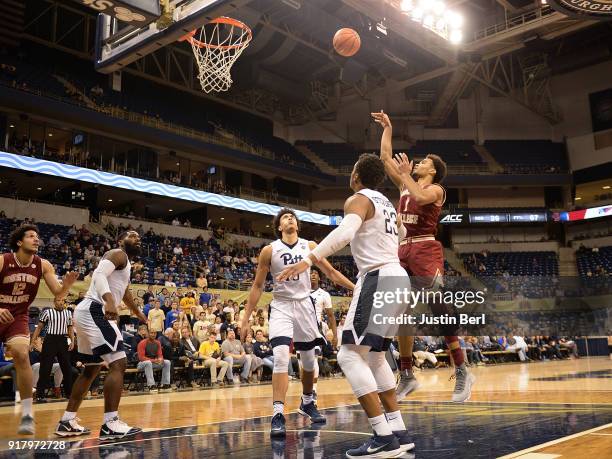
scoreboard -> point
(494, 217)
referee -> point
(57, 324)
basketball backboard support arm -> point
(117, 48)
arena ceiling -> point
(290, 72)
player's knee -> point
(308, 360)
(281, 359)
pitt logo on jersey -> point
(289, 259)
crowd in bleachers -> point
(516, 157)
(83, 86)
(530, 274)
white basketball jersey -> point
(376, 242)
(322, 300)
(284, 255)
(118, 282)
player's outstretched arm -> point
(403, 168)
(332, 273)
(357, 209)
(263, 267)
(59, 289)
(386, 147)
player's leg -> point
(353, 359)
(19, 347)
(385, 384)
(113, 427)
(68, 425)
(281, 333)
(308, 405)
(306, 336)
(407, 382)
(359, 335)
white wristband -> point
(308, 261)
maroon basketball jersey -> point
(19, 284)
(419, 220)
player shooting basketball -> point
(420, 204)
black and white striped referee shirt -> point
(56, 322)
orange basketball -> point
(347, 42)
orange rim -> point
(190, 37)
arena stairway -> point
(71, 87)
(488, 158)
(457, 264)
(321, 164)
(567, 262)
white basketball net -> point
(216, 46)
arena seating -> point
(529, 156)
(177, 107)
(343, 155)
(529, 274)
(595, 268)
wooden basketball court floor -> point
(557, 409)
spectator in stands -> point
(55, 240)
(188, 302)
(170, 281)
(142, 333)
(178, 251)
(261, 325)
(176, 222)
(149, 294)
(180, 357)
(517, 344)
(571, 345)
(166, 343)
(263, 349)
(172, 315)
(234, 354)
(190, 343)
(256, 362)
(205, 297)
(201, 282)
(421, 354)
(211, 357)
(200, 328)
(7, 368)
(156, 319)
(151, 358)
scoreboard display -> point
(458, 217)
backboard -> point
(119, 43)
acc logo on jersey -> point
(452, 218)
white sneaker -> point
(463, 384)
(116, 428)
(17, 397)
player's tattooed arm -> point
(59, 290)
(263, 267)
(332, 273)
(386, 147)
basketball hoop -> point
(217, 46)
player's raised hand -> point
(292, 271)
(404, 166)
(5, 316)
(381, 118)
(70, 278)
